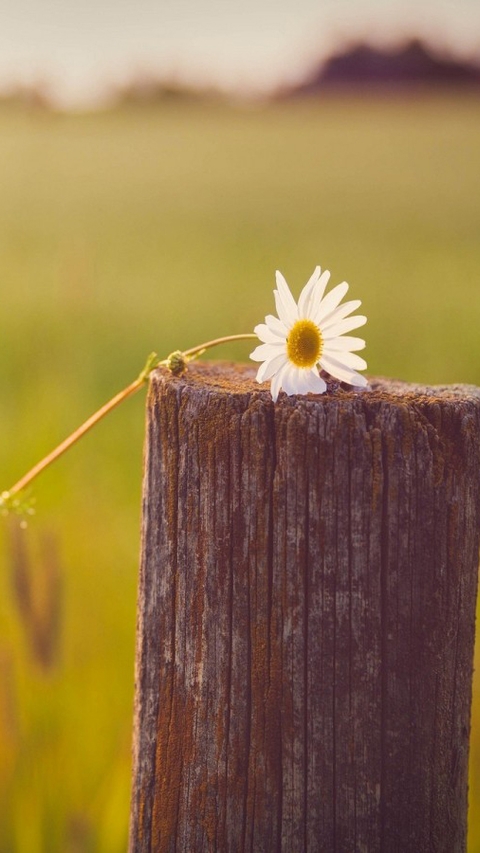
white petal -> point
(287, 314)
(277, 382)
(361, 381)
(297, 380)
(305, 296)
(302, 381)
(269, 368)
(276, 326)
(339, 371)
(316, 384)
(330, 302)
(266, 335)
(346, 359)
(285, 291)
(286, 305)
(313, 297)
(289, 383)
(343, 326)
(343, 343)
(309, 381)
(317, 294)
(341, 312)
(264, 352)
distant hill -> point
(411, 65)
(35, 97)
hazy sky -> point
(80, 46)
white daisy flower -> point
(307, 336)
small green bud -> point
(176, 363)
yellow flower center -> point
(304, 343)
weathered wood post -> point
(306, 618)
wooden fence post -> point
(306, 618)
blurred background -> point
(158, 162)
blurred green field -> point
(155, 229)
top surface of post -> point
(231, 378)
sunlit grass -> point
(137, 231)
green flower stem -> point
(151, 363)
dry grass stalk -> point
(37, 590)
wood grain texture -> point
(306, 617)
